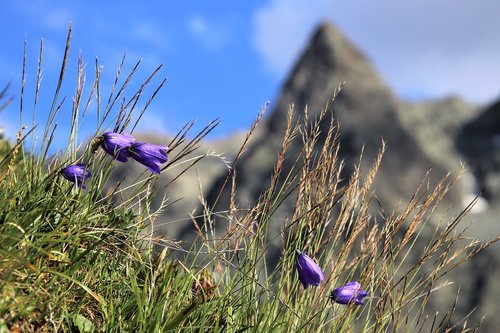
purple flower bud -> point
(309, 272)
(151, 156)
(116, 145)
(349, 294)
(77, 174)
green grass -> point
(86, 261)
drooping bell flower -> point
(309, 272)
(351, 293)
(117, 145)
(149, 155)
(77, 174)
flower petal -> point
(349, 293)
(117, 145)
(77, 174)
(309, 272)
(151, 156)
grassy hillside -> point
(87, 260)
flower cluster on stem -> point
(121, 147)
(310, 274)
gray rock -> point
(479, 142)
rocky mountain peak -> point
(366, 110)
(328, 60)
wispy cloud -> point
(281, 30)
(211, 35)
(439, 47)
(53, 17)
(150, 33)
(8, 127)
(153, 121)
(57, 18)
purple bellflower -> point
(351, 293)
(309, 272)
(116, 145)
(151, 156)
(77, 174)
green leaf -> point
(83, 324)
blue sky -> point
(225, 59)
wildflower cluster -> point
(311, 274)
(121, 147)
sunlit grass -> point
(74, 260)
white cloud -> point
(197, 25)
(8, 128)
(151, 34)
(282, 29)
(436, 47)
(58, 18)
(54, 17)
(152, 122)
(211, 35)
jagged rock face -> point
(479, 142)
(365, 108)
(435, 126)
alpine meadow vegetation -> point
(78, 253)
